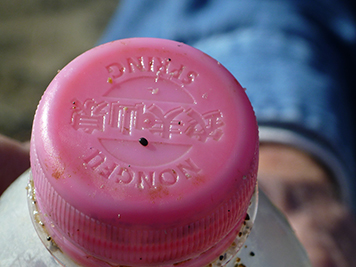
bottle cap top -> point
(144, 152)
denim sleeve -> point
(296, 59)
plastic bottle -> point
(144, 152)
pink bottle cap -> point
(144, 153)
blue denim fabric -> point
(295, 57)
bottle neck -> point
(228, 257)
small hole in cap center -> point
(143, 141)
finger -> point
(14, 160)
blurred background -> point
(37, 38)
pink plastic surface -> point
(108, 196)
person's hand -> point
(14, 160)
(305, 192)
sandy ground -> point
(38, 37)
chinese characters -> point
(91, 115)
